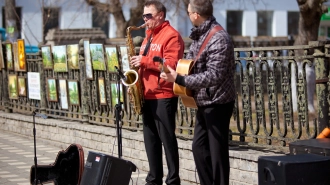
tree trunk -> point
(309, 21)
(10, 18)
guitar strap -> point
(211, 33)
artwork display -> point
(102, 94)
(9, 56)
(2, 62)
(112, 58)
(21, 55)
(88, 62)
(60, 59)
(12, 86)
(63, 94)
(21, 86)
(73, 56)
(97, 55)
(15, 56)
(124, 58)
(52, 90)
(114, 94)
(74, 98)
(47, 59)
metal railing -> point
(268, 81)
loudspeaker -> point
(301, 169)
(102, 169)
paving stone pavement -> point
(17, 157)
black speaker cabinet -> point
(102, 169)
(314, 146)
(301, 169)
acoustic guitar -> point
(66, 170)
(183, 68)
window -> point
(18, 16)
(265, 22)
(234, 22)
(50, 19)
(293, 21)
(100, 19)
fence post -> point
(83, 83)
(5, 92)
(321, 74)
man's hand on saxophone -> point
(136, 61)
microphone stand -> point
(34, 114)
(118, 111)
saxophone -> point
(133, 82)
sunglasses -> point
(147, 16)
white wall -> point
(280, 23)
(249, 24)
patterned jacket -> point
(212, 79)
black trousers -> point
(210, 144)
(159, 128)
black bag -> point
(301, 169)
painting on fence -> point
(21, 85)
(102, 94)
(2, 64)
(114, 94)
(88, 62)
(21, 55)
(63, 94)
(52, 90)
(12, 86)
(74, 98)
(34, 85)
(47, 60)
(73, 57)
(97, 55)
(15, 56)
(124, 58)
(112, 58)
(9, 55)
(60, 59)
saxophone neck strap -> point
(146, 49)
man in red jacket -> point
(160, 103)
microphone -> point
(121, 74)
(158, 59)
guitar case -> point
(66, 170)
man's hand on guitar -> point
(171, 76)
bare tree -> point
(309, 22)
(10, 17)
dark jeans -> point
(159, 128)
(210, 144)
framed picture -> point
(88, 62)
(97, 55)
(52, 90)
(74, 98)
(73, 57)
(60, 59)
(21, 85)
(12, 86)
(124, 58)
(114, 94)
(63, 94)
(15, 56)
(9, 56)
(21, 55)
(102, 94)
(2, 63)
(47, 59)
(112, 58)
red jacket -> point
(166, 43)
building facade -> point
(242, 17)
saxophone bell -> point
(131, 77)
